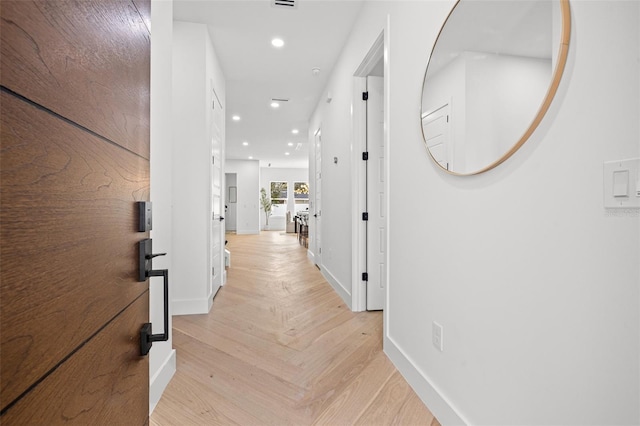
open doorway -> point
(231, 207)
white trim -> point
(438, 404)
(160, 380)
(311, 256)
(210, 298)
(191, 306)
(379, 50)
(247, 232)
(194, 306)
(337, 286)
(372, 57)
(359, 294)
(313, 230)
(387, 164)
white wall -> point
(195, 70)
(535, 283)
(333, 121)
(289, 175)
(162, 358)
(248, 206)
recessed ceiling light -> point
(250, 158)
(236, 118)
(286, 153)
(290, 144)
(277, 42)
(275, 104)
(294, 131)
(245, 143)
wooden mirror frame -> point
(565, 36)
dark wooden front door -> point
(74, 159)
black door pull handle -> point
(145, 271)
(146, 334)
(221, 218)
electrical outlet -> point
(436, 336)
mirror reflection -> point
(490, 75)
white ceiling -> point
(255, 72)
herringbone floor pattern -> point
(281, 348)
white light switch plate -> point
(614, 172)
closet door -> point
(74, 159)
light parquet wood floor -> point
(279, 347)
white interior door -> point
(376, 197)
(435, 126)
(317, 209)
(217, 206)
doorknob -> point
(221, 218)
(145, 271)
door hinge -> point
(365, 276)
(365, 156)
(365, 216)
(213, 160)
(213, 271)
(447, 118)
(365, 96)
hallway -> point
(280, 347)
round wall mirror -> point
(491, 77)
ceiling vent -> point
(279, 100)
(284, 4)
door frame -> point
(379, 50)
(376, 250)
(211, 289)
(316, 235)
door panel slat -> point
(85, 61)
(99, 382)
(68, 253)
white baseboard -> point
(337, 286)
(160, 380)
(311, 256)
(439, 405)
(191, 306)
(247, 232)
